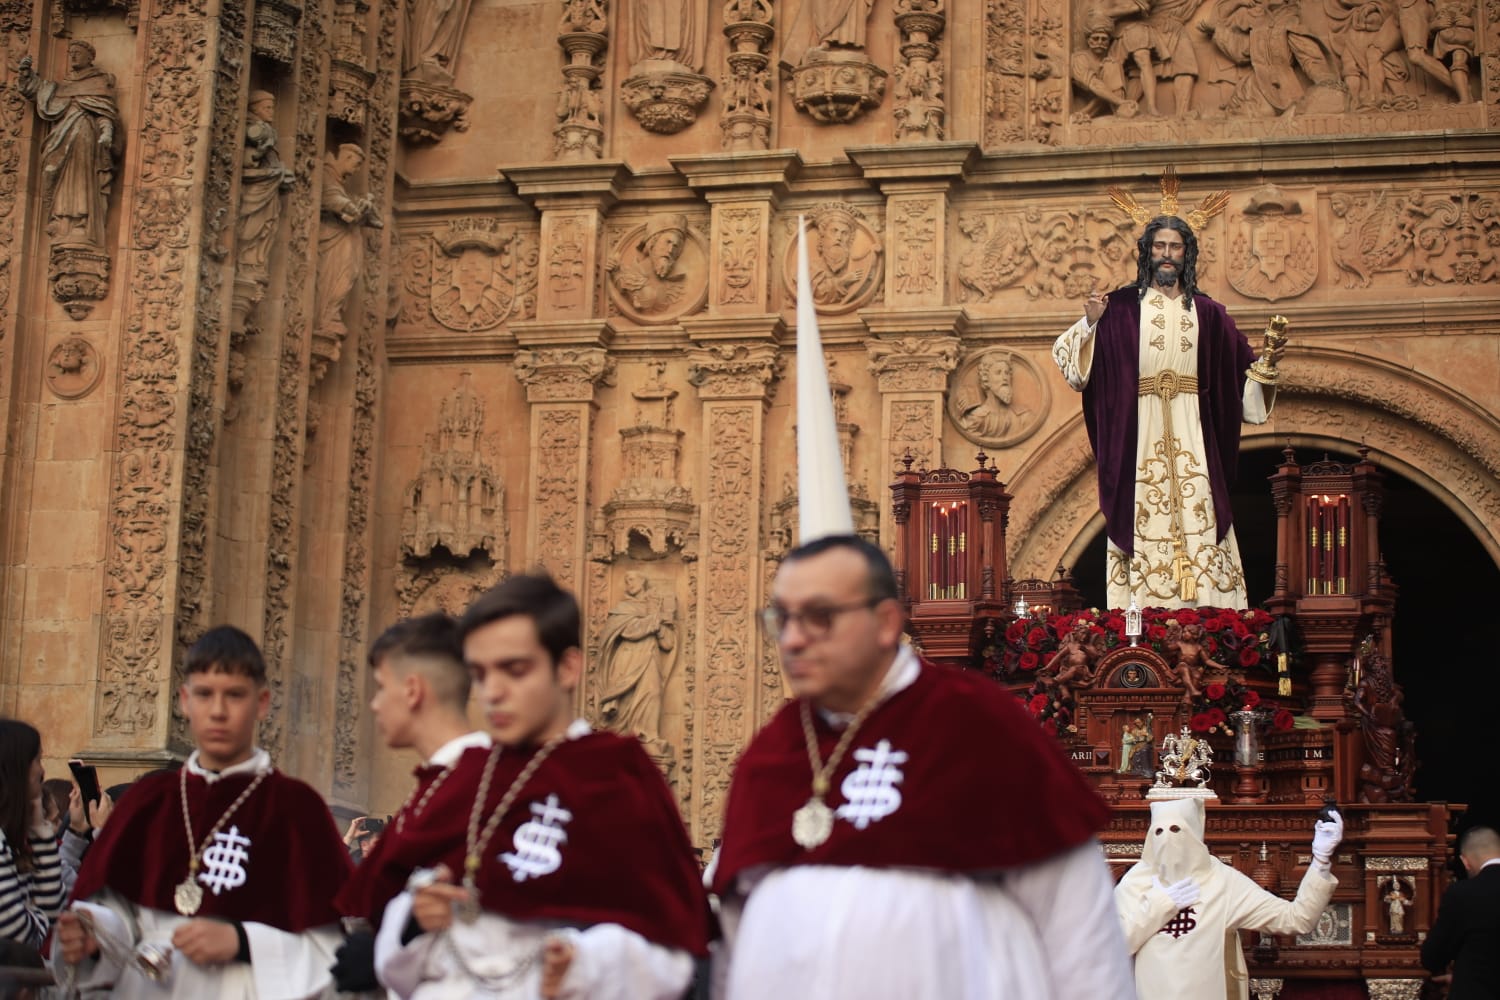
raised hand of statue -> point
(1093, 306)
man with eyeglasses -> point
(1162, 368)
(902, 829)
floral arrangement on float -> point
(1239, 639)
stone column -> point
(911, 366)
(735, 380)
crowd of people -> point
(870, 849)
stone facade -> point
(578, 360)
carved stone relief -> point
(913, 364)
(1051, 253)
(998, 398)
(650, 506)
(349, 74)
(73, 368)
(658, 270)
(567, 268)
(79, 160)
(584, 35)
(1444, 239)
(919, 105)
(638, 654)
(15, 35)
(456, 503)
(1273, 243)
(845, 258)
(263, 181)
(741, 267)
(666, 86)
(275, 35)
(444, 586)
(748, 97)
(832, 77)
(918, 246)
(471, 276)
(430, 104)
(341, 252)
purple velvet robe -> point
(1109, 406)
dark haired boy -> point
(217, 880)
(568, 873)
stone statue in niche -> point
(1154, 34)
(666, 86)
(1098, 75)
(434, 32)
(263, 180)
(652, 279)
(637, 653)
(832, 78)
(341, 248)
(79, 160)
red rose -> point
(1187, 616)
(1252, 699)
(1283, 719)
(1215, 716)
(1015, 631)
(1036, 638)
(1211, 645)
(1249, 656)
(1049, 727)
(1037, 703)
(1200, 723)
(1062, 626)
(1214, 692)
(1213, 624)
(1156, 633)
(1239, 626)
(1029, 660)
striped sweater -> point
(30, 901)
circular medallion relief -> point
(73, 368)
(997, 398)
(659, 270)
(845, 259)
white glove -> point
(1326, 837)
(1184, 893)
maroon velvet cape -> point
(626, 859)
(297, 861)
(983, 789)
(1109, 406)
(423, 841)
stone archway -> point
(1436, 437)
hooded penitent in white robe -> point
(1193, 953)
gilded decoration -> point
(998, 398)
(845, 258)
(658, 270)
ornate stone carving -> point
(567, 276)
(734, 371)
(130, 8)
(649, 504)
(832, 78)
(917, 245)
(919, 105)
(276, 30)
(443, 586)
(1432, 240)
(666, 86)
(1050, 253)
(914, 432)
(564, 374)
(473, 275)
(73, 368)
(349, 74)
(15, 32)
(998, 399)
(263, 180)
(1273, 246)
(78, 164)
(1005, 71)
(430, 103)
(1098, 72)
(658, 270)
(845, 258)
(341, 252)
(559, 443)
(584, 35)
(429, 111)
(913, 364)
(456, 503)
(739, 256)
(746, 120)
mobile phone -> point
(1326, 813)
(86, 776)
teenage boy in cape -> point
(216, 880)
(570, 874)
(421, 702)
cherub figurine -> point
(1072, 666)
(1190, 643)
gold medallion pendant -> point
(812, 825)
(188, 896)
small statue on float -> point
(1390, 738)
(1072, 666)
(1194, 668)
(1180, 907)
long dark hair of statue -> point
(1189, 278)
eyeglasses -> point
(1161, 246)
(815, 622)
